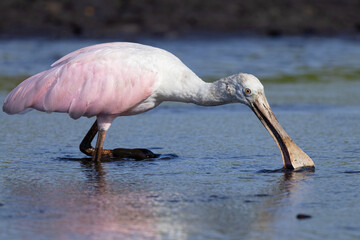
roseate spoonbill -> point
(120, 79)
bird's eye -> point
(247, 91)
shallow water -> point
(212, 180)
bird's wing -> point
(70, 56)
(97, 47)
(86, 83)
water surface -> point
(214, 179)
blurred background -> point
(113, 18)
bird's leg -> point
(87, 149)
(85, 145)
(99, 146)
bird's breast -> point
(144, 106)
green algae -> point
(327, 74)
(335, 74)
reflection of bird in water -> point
(95, 173)
(277, 210)
(107, 211)
(120, 79)
(73, 206)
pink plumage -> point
(107, 80)
(93, 81)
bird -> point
(116, 79)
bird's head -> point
(244, 87)
(247, 89)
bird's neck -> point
(211, 94)
(192, 89)
(203, 93)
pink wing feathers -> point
(93, 81)
(73, 54)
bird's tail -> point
(25, 95)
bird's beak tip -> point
(292, 155)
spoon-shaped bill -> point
(292, 155)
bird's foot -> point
(136, 153)
(97, 154)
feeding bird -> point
(121, 79)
